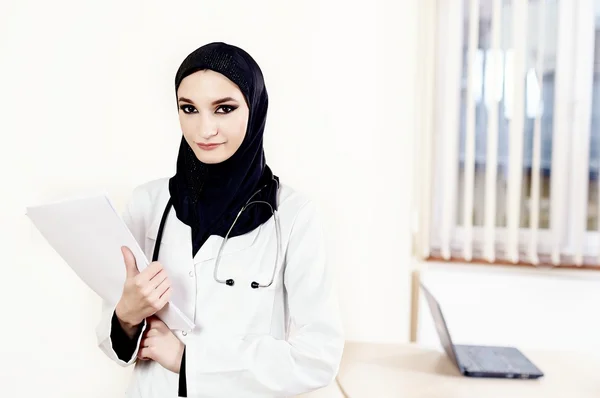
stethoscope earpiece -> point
(254, 285)
(230, 282)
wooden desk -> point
(380, 370)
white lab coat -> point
(278, 341)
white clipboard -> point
(88, 234)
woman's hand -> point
(161, 345)
(144, 293)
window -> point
(510, 135)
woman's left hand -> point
(161, 345)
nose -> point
(207, 127)
(208, 133)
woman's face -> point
(213, 115)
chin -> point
(212, 158)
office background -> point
(88, 104)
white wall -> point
(87, 104)
(533, 309)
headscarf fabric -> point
(208, 197)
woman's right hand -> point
(144, 293)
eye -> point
(188, 109)
(226, 109)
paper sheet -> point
(88, 234)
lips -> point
(208, 147)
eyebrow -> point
(216, 102)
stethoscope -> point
(230, 281)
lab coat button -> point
(184, 333)
(191, 273)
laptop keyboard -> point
(491, 359)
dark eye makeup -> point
(222, 109)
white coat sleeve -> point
(262, 365)
(134, 220)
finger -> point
(160, 326)
(157, 325)
(166, 296)
(158, 279)
(164, 299)
(130, 263)
(151, 270)
(161, 272)
(148, 286)
(157, 302)
(164, 284)
(160, 289)
(145, 353)
(152, 332)
(153, 322)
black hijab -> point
(208, 197)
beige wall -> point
(88, 105)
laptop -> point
(481, 361)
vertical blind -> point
(507, 113)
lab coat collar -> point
(177, 233)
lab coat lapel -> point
(176, 232)
(210, 249)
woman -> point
(267, 321)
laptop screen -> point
(440, 324)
